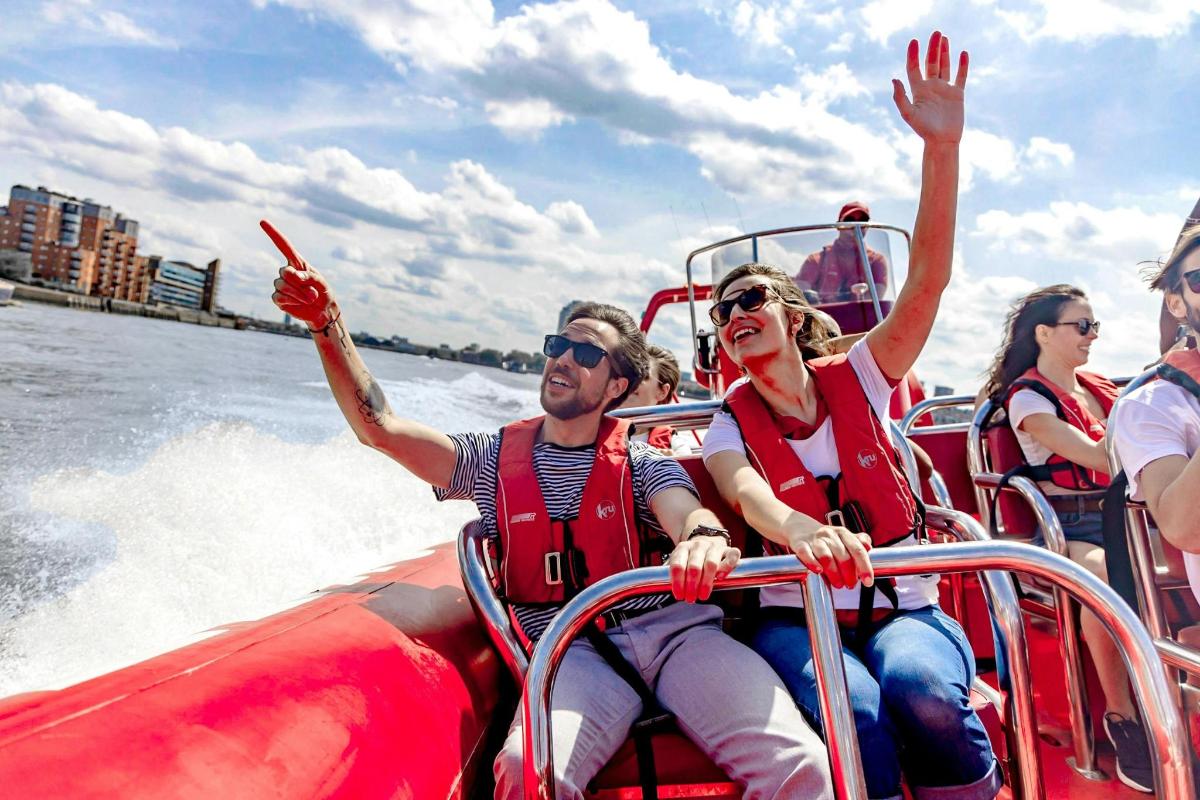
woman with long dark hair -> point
(802, 453)
(1058, 412)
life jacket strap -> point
(653, 719)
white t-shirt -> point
(1026, 403)
(819, 454)
(1154, 421)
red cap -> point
(852, 207)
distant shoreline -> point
(82, 302)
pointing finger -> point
(285, 247)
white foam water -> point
(223, 504)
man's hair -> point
(667, 367)
(631, 359)
(1020, 349)
(1165, 276)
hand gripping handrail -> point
(1162, 721)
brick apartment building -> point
(86, 247)
(75, 243)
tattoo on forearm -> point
(343, 339)
(372, 404)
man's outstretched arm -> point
(302, 292)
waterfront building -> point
(78, 244)
(16, 265)
(178, 283)
(566, 312)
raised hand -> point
(300, 290)
(935, 112)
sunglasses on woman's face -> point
(752, 299)
(586, 355)
(1084, 326)
(1192, 279)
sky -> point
(461, 170)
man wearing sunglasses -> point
(1157, 428)
(570, 501)
(827, 275)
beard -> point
(568, 408)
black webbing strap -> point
(1116, 542)
(653, 718)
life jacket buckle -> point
(554, 570)
(836, 518)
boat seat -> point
(683, 771)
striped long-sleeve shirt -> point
(562, 473)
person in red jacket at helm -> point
(828, 275)
(1157, 426)
(657, 388)
(1058, 412)
(802, 452)
(570, 500)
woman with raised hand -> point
(1059, 414)
(802, 452)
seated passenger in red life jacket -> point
(572, 478)
(657, 388)
(827, 275)
(801, 451)
(1058, 413)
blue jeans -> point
(909, 686)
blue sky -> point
(459, 170)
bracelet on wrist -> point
(707, 530)
(324, 331)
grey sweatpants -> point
(725, 698)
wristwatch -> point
(709, 530)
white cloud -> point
(104, 22)
(1044, 154)
(883, 18)
(525, 118)
(1090, 20)
(380, 238)
(1080, 232)
(551, 63)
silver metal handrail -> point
(1164, 727)
(1137, 532)
(683, 416)
(472, 563)
(932, 404)
(1083, 736)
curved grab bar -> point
(488, 608)
(932, 404)
(1047, 518)
(1079, 706)
(1167, 735)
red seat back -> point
(1002, 452)
(710, 498)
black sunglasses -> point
(1192, 279)
(1084, 326)
(752, 299)
(586, 355)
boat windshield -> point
(826, 263)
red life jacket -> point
(660, 437)
(1186, 362)
(546, 560)
(871, 473)
(1059, 470)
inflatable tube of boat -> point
(385, 688)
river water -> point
(159, 479)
